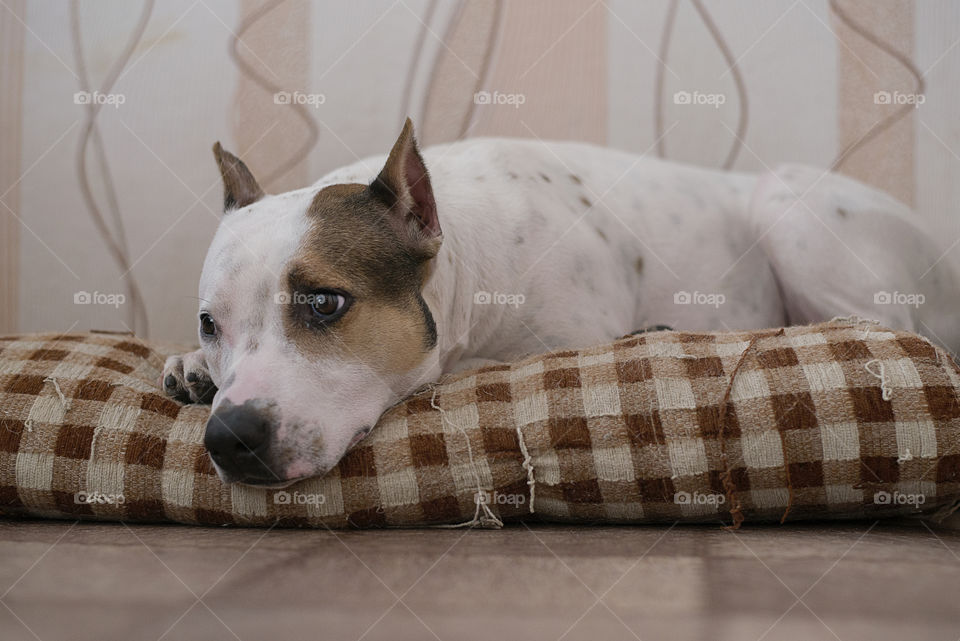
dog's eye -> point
(328, 305)
(207, 326)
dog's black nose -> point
(237, 438)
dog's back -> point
(348, 295)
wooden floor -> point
(854, 581)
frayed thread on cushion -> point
(488, 519)
(885, 391)
(64, 403)
(528, 466)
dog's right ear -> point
(240, 188)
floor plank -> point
(111, 581)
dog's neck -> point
(464, 327)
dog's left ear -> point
(404, 186)
(240, 188)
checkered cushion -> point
(834, 420)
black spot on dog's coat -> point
(431, 336)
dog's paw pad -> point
(185, 379)
(200, 388)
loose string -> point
(736, 510)
(885, 391)
(488, 519)
(64, 403)
(528, 466)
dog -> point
(322, 307)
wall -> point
(797, 82)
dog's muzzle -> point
(238, 440)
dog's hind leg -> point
(840, 248)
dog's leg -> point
(473, 363)
(841, 248)
(186, 378)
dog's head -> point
(311, 318)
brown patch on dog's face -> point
(353, 249)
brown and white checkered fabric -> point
(837, 420)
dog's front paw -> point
(186, 379)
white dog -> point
(322, 307)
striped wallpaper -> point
(120, 197)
